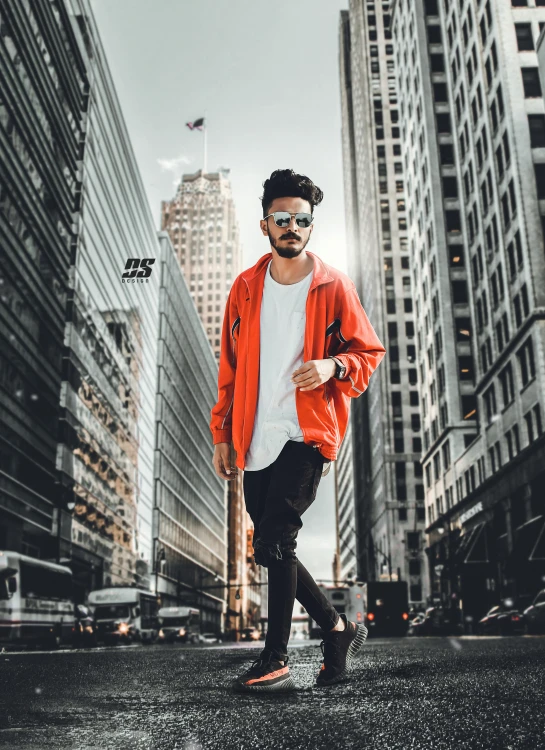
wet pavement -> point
(428, 693)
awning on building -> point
(473, 546)
(528, 541)
(538, 551)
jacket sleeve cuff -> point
(221, 436)
(347, 387)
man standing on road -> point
(296, 347)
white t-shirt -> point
(282, 338)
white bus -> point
(124, 614)
(35, 601)
(346, 599)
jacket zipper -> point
(245, 381)
(228, 410)
(233, 328)
(333, 415)
(237, 321)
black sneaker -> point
(267, 674)
(338, 650)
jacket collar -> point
(320, 274)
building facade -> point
(190, 513)
(45, 91)
(107, 399)
(386, 430)
(473, 131)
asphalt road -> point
(428, 693)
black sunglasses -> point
(283, 218)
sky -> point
(266, 77)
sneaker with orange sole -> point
(338, 649)
(266, 674)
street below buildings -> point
(467, 692)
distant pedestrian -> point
(296, 347)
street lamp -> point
(159, 561)
(375, 549)
(66, 506)
(202, 572)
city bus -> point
(124, 614)
(35, 601)
(347, 600)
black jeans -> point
(276, 497)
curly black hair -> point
(285, 183)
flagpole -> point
(204, 149)
(205, 144)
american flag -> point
(197, 125)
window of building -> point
(459, 291)
(537, 130)
(489, 398)
(440, 92)
(531, 82)
(525, 39)
(525, 357)
(453, 221)
(469, 407)
(450, 187)
(540, 180)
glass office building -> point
(105, 454)
(43, 95)
(190, 515)
(473, 131)
(386, 426)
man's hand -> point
(313, 373)
(221, 461)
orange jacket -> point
(336, 324)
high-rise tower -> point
(389, 494)
(473, 130)
(202, 225)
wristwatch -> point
(340, 369)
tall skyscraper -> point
(202, 226)
(389, 494)
(106, 440)
(42, 126)
(473, 131)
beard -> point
(287, 251)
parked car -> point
(534, 616)
(209, 638)
(249, 634)
(438, 621)
(415, 625)
(502, 619)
